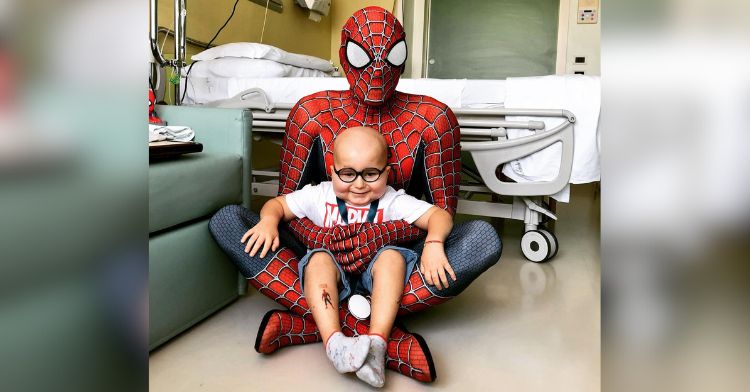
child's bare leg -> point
(321, 279)
(387, 287)
(321, 291)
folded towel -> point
(577, 93)
(157, 133)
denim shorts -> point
(355, 283)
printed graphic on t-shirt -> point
(355, 215)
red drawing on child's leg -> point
(326, 298)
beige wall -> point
(341, 10)
(290, 30)
(414, 20)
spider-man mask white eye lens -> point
(356, 56)
(397, 55)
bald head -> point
(360, 143)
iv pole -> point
(180, 44)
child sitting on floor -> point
(358, 192)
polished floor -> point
(520, 326)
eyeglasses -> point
(369, 174)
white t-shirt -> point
(318, 203)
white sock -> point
(373, 370)
(347, 354)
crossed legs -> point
(472, 247)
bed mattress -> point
(576, 93)
(202, 89)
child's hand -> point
(263, 234)
(434, 265)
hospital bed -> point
(486, 147)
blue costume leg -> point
(228, 226)
(471, 247)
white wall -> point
(576, 40)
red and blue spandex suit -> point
(424, 154)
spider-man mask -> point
(373, 54)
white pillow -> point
(233, 67)
(252, 50)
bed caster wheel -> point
(536, 245)
(552, 241)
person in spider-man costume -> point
(423, 138)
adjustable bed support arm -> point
(488, 155)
